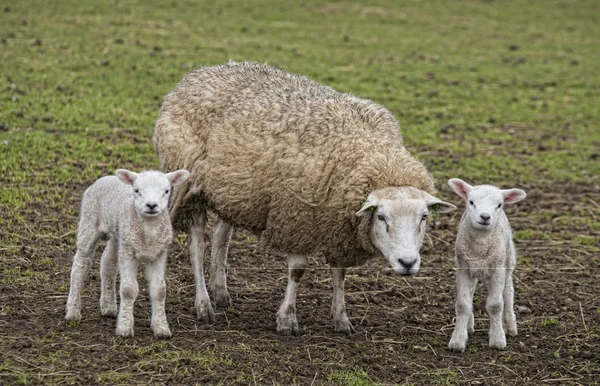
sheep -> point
(292, 161)
(484, 251)
(135, 221)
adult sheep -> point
(312, 171)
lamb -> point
(484, 251)
(310, 170)
(131, 211)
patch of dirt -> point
(402, 324)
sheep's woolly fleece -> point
(281, 155)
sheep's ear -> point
(126, 176)
(367, 207)
(177, 177)
(460, 187)
(436, 205)
(513, 195)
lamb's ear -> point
(513, 195)
(126, 176)
(368, 206)
(460, 187)
(436, 205)
(177, 177)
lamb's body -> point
(289, 159)
(265, 147)
(139, 231)
(485, 251)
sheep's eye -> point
(499, 206)
(424, 217)
(472, 203)
(136, 190)
(167, 191)
(380, 217)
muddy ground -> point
(402, 324)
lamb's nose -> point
(151, 206)
(407, 264)
(485, 216)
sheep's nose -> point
(485, 216)
(151, 206)
(407, 264)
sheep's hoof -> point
(288, 326)
(344, 326)
(162, 332)
(471, 327)
(498, 344)
(109, 311)
(205, 312)
(222, 299)
(73, 314)
(125, 332)
(457, 344)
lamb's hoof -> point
(288, 326)
(73, 314)
(457, 344)
(471, 326)
(205, 312)
(125, 331)
(162, 332)
(344, 326)
(222, 299)
(498, 343)
(109, 310)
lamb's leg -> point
(218, 263)
(509, 318)
(108, 278)
(157, 288)
(287, 324)
(471, 328)
(464, 309)
(495, 307)
(338, 306)
(204, 310)
(128, 290)
(87, 240)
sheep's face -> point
(151, 189)
(398, 220)
(485, 203)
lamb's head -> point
(397, 224)
(485, 203)
(151, 189)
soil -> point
(402, 324)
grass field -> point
(502, 92)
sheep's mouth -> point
(151, 213)
(484, 224)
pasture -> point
(496, 92)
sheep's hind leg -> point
(155, 274)
(464, 310)
(509, 317)
(204, 310)
(471, 327)
(338, 306)
(287, 323)
(87, 240)
(108, 278)
(218, 263)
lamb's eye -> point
(472, 203)
(499, 206)
(136, 190)
(167, 191)
(380, 217)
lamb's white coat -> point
(484, 251)
(130, 210)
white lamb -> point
(484, 251)
(130, 210)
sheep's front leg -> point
(87, 240)
(338, 306)
(509, 317)
(204, 310)
(108, 279)
(471, 327)
(155, 274)
(464, 309)
(495, 307)
(218, 263)
(128, 290)
(287, 323)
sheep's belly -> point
(149, 253)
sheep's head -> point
(485, 203)
(151, 189)
(398, 224)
